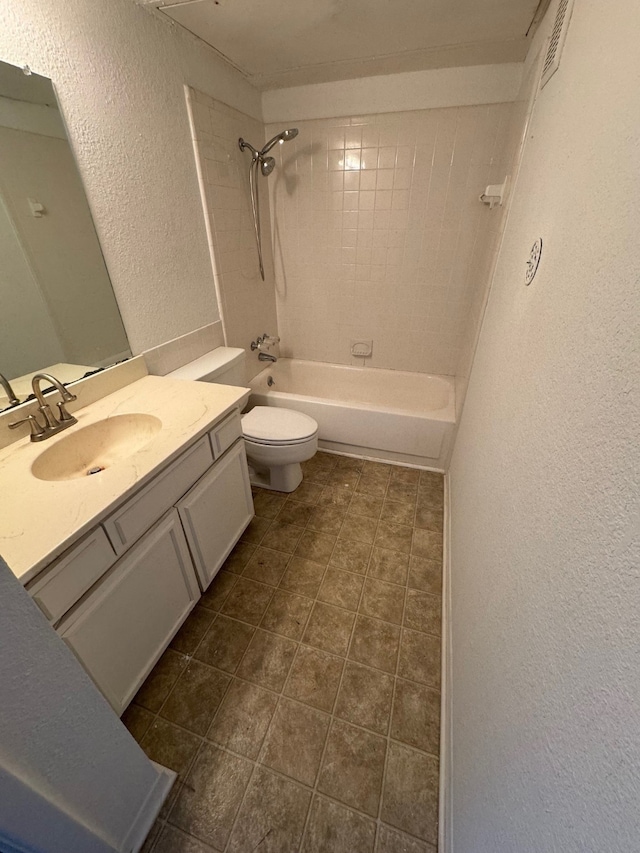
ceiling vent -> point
(556, 41)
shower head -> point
(267, 165)
(285, 136)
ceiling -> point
(293, 42)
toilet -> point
(276, 440)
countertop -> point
(40, 519)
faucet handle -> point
(270, 339)
(34, 423)
(64, 416)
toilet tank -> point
(224, 366)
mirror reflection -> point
(59, 313)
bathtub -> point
(380, 414)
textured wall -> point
(119, 73)
(57, 732)
(379, 233)
(544, 479)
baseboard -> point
(445, 841)
(150, 809)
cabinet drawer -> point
(71, 576)
(137, 515)
(225, 433)
(120, 630)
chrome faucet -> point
(262, 343)
(8, 390)
(52, 424)
(267, 356)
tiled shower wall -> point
(247, 303)
(379, 233)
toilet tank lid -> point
(271, 423)
(209, 365)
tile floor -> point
(300, 700)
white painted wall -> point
(413, 90)
(544, 482)
(119, 73)
(61, 740)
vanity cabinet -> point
(120, 630)
(119, 594)
(223, 494)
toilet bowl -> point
(276, 440)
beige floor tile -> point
(427, 544)
(392, 841)
(326, 519)
(396, 537)
(420, 658)
(429, 518)
(314, 678)
(369, 484)
(195, 697)
(193, 630)
(247, 601)
(303, 577)
(352, 767)
(296, 513)
(352, 556)
(367, 505)
(388, 565)
(218, 590)
(365, 697)
(397, 512)
(272, 816)
(329, 628)
(423, 612)
(334, 496)
(225, 643)
(256, 530)
(266, 566)
(172, 840)
(335, 829)
(382, 600)
(358, 528)
(267, 660)
(287, 614)
(307, 493)
(243, 718)
(208, 803)
(416, 716)
(375, 644)
(295, 741)
(410, 796)
(137, 720)
(341, 588)
(266, 504)
(404, 492)
(238, 558)
(170, 746)
(315, 546)
(425, 575)
(160, 681)
(282, 537)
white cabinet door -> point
(126, 622)
(216, 511)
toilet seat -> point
(271, 425)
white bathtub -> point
(380, 414)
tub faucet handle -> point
(270, 339)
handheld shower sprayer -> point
(267, 165)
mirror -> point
(58, 310)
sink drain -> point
(95, 470)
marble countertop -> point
(40, 519)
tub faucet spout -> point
(266, 356)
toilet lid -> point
(272, 425)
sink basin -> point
(94, 448)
